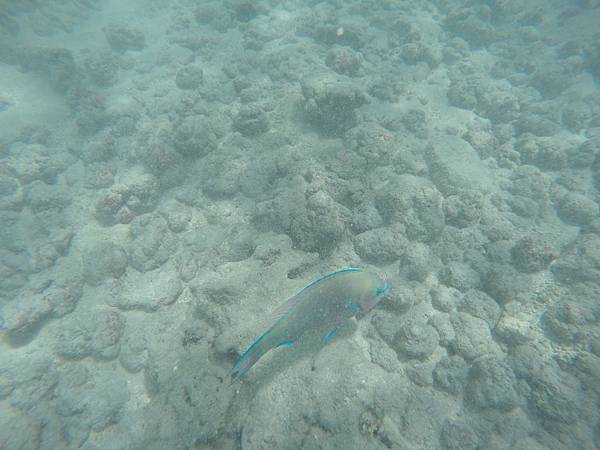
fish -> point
(320, 307)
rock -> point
(513, 330)
(348, 33)
(214, 15)
(577, 209)
(43, 197)
(90, 109)
(218, 291)
(189, 77)
(538, 125)
(417, 262)
(31, 162)
(260, 431)
(441, 322)
(575, 116)
(23, 316)
(505, 284)
(417, 340)
(464, 209)
(11, 194)
(109, 326)
(322, 227)
(63, 295)
(418, 52)
(56, 65)
(186, 264)
(222, 173)
(581, 262)
(583, 155)
(544, 153)
(98, 175)
(345, 61)
(177, 215)
(557, 397)
(479, 304)
(421, 373)
(458, 435)
(124, 201)
(533, 253)
(195, 136)
(134, 352)
(472, 336)
(460, 276)
(528, 443)
(530, 182)
(99, 149)
(104, 260)
(415, 203)
(110, 207)
(487, 98)
(445, 298)
(530, 359)
(238, 245)
(92, 403)
(387, 325)
(96, 335)
(511, 428)
(595, 346)
(149, 294)
(26, 380)
(472, 25)
(455, 166)
(330, 103)
(404, 31)
(588, 366)
(551, 81)
(569, 321)
(152, 243)
(406, 295)
(101, 68)
(251, 120)
(492, 384)
(381, 245)
(365, 217)
(415, 121)
(43, 256)
(450, 374)
(122, 38)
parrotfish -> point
(321, 307)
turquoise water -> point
(172, 172)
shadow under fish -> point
(317, 310)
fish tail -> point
(249, 358)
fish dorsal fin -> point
(296, 298)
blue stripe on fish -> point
(329, 336)
(247, 360)
(351, 269)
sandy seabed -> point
(171, 172)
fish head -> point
(375, 287)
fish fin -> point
(287, 344)
(330, 334)
(292, 301)
(249, 358)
